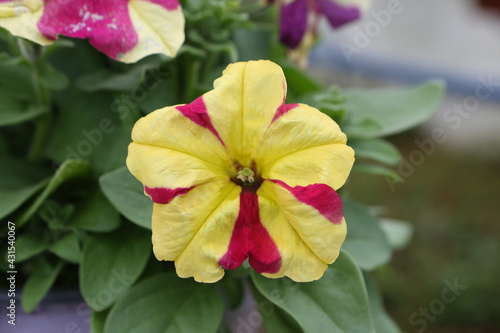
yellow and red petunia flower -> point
(239, 174)
(125, 30)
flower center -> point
(246, 175)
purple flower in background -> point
(299, 20)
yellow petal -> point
(20, 18)
(168, 128)
(305, 146)
(159, 30)
(195, 229)
(158, 167)
(243, 104)
(307, 241)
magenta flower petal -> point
(106, 24)
(336, 14)
(293, 23)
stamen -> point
(246, 175)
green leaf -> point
(7, 60)
(127, 195)
(377, 170)
(361, 128)
(29, 245)
(274, 318)
(23, 181)
(335, 303)
(365, 240)
(381, 320)
(85, 122)
(104, 79)
(15, 112)
(398, 232)
(67, 248)
(37, 286)
(233, 290)
(17, 82)
(52, 78)
(166, 303)
(111, 263)
(395, 110)
(69, 170)
(377, 150)
(116, 142)
(97, 321)
(298, 82)
(96, 214)
(252, 44)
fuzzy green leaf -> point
(111, 263)
(335, 303)
(365, 240)
(166, 303)
(127, 195)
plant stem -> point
(209, 64)
(192, 80)
(33, 55)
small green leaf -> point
(361, 128)
(52, 78)
(111, 263)
(398, 232)
(337, 302)
(7, 60)
(274, 318)
(252, 44)
(233, 290)
(97, 321)
(166, 303)
(395, 110)
(377, 150)
(115, 142)
(17, 81)
(29, 245)
(381, 320)
(67, 248)
(365, 240)
(378, 170)
(83, 123)
(96, 214)
(127, 195)
(37, 286)
(104, 79)
(14, 112)
(298, 81)
(69, 170)
(23, 180)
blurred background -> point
(451, 195)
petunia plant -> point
(171, 184)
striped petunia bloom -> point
(239, 174)
(125, 30)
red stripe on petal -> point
(197, 113)
(162, 195)
(319, 196)
(250, 239)
(284, 108)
